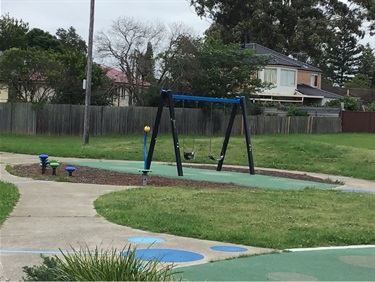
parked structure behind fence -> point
(25, 118)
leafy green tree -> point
(290, 27)
(367, 64)
(359, 81)
(70, 40)
(350, 103)
(212, 68)
(12, 33)
(29, 74)
(40, 39)
(225, 70)
(68, 89)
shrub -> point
(350, 103)
(47, 271)
(98, 265)
(371, 107)
(294, 111)
(255, 109)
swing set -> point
(166, 99)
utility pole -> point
(86, 121)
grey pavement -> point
(52, 215)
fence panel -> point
(6, 117)
(23, 119)
(358, 122)
(68, 119)
(77, 114)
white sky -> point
(49, 15)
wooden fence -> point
(358, 122)
(25, 118)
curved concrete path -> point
(52, 215)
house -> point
(120, 80)
(292, 81)
(3, 93)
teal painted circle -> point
(145, 240)
(233, 249)
(167, 255)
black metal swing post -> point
(167, 99)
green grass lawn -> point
(265, 218)
(9, 197)
(348, 154)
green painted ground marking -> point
(261, 181)
(327, 265)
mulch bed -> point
(84, 174)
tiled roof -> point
(280, 59)
(116, 75)
(311, 91)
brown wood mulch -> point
(84, 174)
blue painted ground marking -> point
(145, 240)
(355, 190)
(167, 255)
(228, 248)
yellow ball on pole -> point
(146, 128)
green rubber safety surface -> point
(260, 181)
(324, 265)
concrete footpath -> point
(53, 215)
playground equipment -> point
(166, 99)
(43, 159)
(145, 170)
(70, 170)
(54, 165)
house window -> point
(288, 77)
(122, 93)
(314, 80)
(270, 76)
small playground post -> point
(146, 130)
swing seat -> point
(216, 159)
(189, 155)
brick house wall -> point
(304, 77)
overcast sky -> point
(50, 15)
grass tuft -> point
(99, 265)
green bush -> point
(294, 111)
(255, 109)
(98, 265)
(350, 103)
(371, 107)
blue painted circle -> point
(228, 249)
(43, 156)
(145, 240)
(167, 255)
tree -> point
(367, 64)
(211, 68)
(29, 74)
(225, 70)
(12, 33)
(40, 39)
(359, 81)
(70, 40)
(124, 44)
(290, 27)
